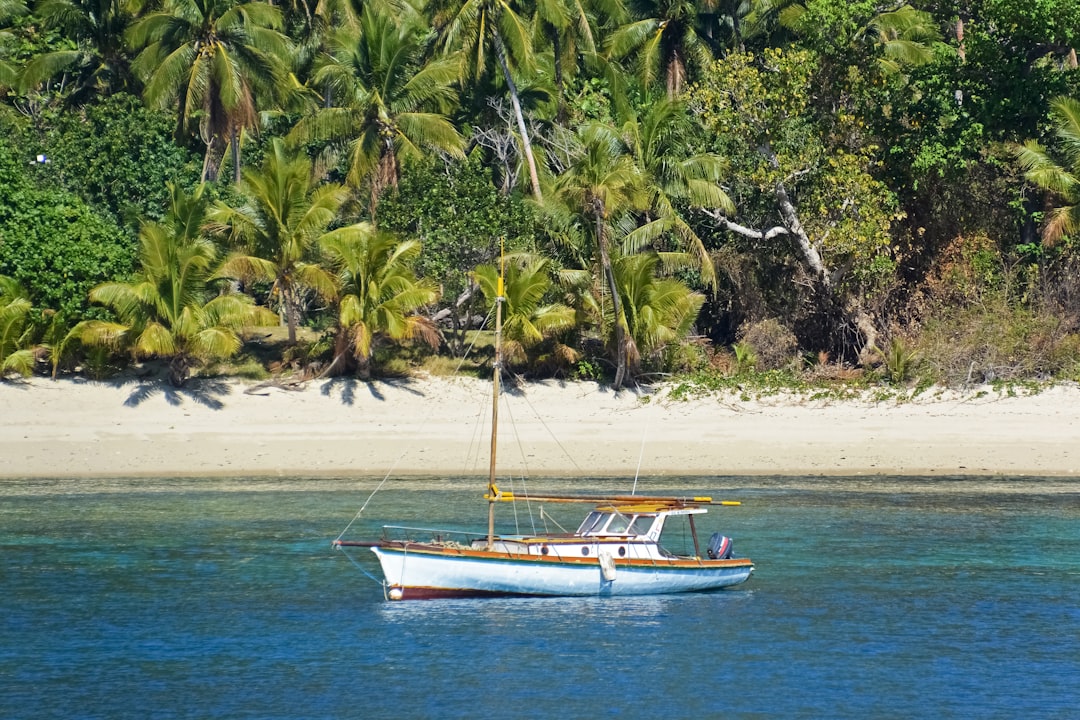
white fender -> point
(607, 565)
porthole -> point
(584, 551)
(543, 549)
(622, 551)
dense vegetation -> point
(819, 189)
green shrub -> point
(54, 244)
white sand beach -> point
(346, 428)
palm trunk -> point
(212, 159)
(235, 142)
(289, 305)
(526, 145)
(609, 275)
(562, 113)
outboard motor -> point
(720, 547)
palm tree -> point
(392, 102)
(171, 309)
(673, 180)
(1062, 179)
(9, 9)
(664, 38)
(902, 37)
(602, 189)
(659, 312)
(99, 60)
(16, 353)
(526, 322)
(380, 294)
(220, 61)
(569, 25)
(278, 229)
(477, 27)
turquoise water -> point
(223, 599)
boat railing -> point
(442, 536)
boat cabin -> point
(624, 531)
(643, 521)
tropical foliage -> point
(16, 353)
(277, 229)
(666, 176)
(380, 295)
(171, 310)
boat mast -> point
(496, 373)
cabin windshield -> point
(615, 523)
(618, 524)
(593, 522)
(641, 525)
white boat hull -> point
(426, 572)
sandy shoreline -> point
(439, 427)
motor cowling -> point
(720, 547)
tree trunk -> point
(616, 302)
(235, 142)
(526, 145)
(212, 159)
(561, 113)
(289, 303)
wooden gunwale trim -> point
(469, 553)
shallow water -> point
(223, 599)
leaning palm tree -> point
(16, 351)
(391, 102)
(221, 61)
(527, 320)
(172, 309)
(1061, 178)
(380, 295)
(277, 230)
(479, 28)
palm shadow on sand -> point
(347, 387)
(201, 392)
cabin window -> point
(593, 522)
(618, 524)
(641, 525)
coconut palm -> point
(674, 180)
(570, 27)
(664, 40)
(479, 28)
(173, 309)
(277, 230)
(659, 311)
(16, 351)
(1061, 178)
(380, 294)
(391, 101)
(901, 37)
(221, 61)
(9, 10)
(99, 61)
(601, 191)
(526, 322)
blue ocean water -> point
(210, 598)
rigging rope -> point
(641, 455)
(406, 450)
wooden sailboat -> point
(615, 551)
